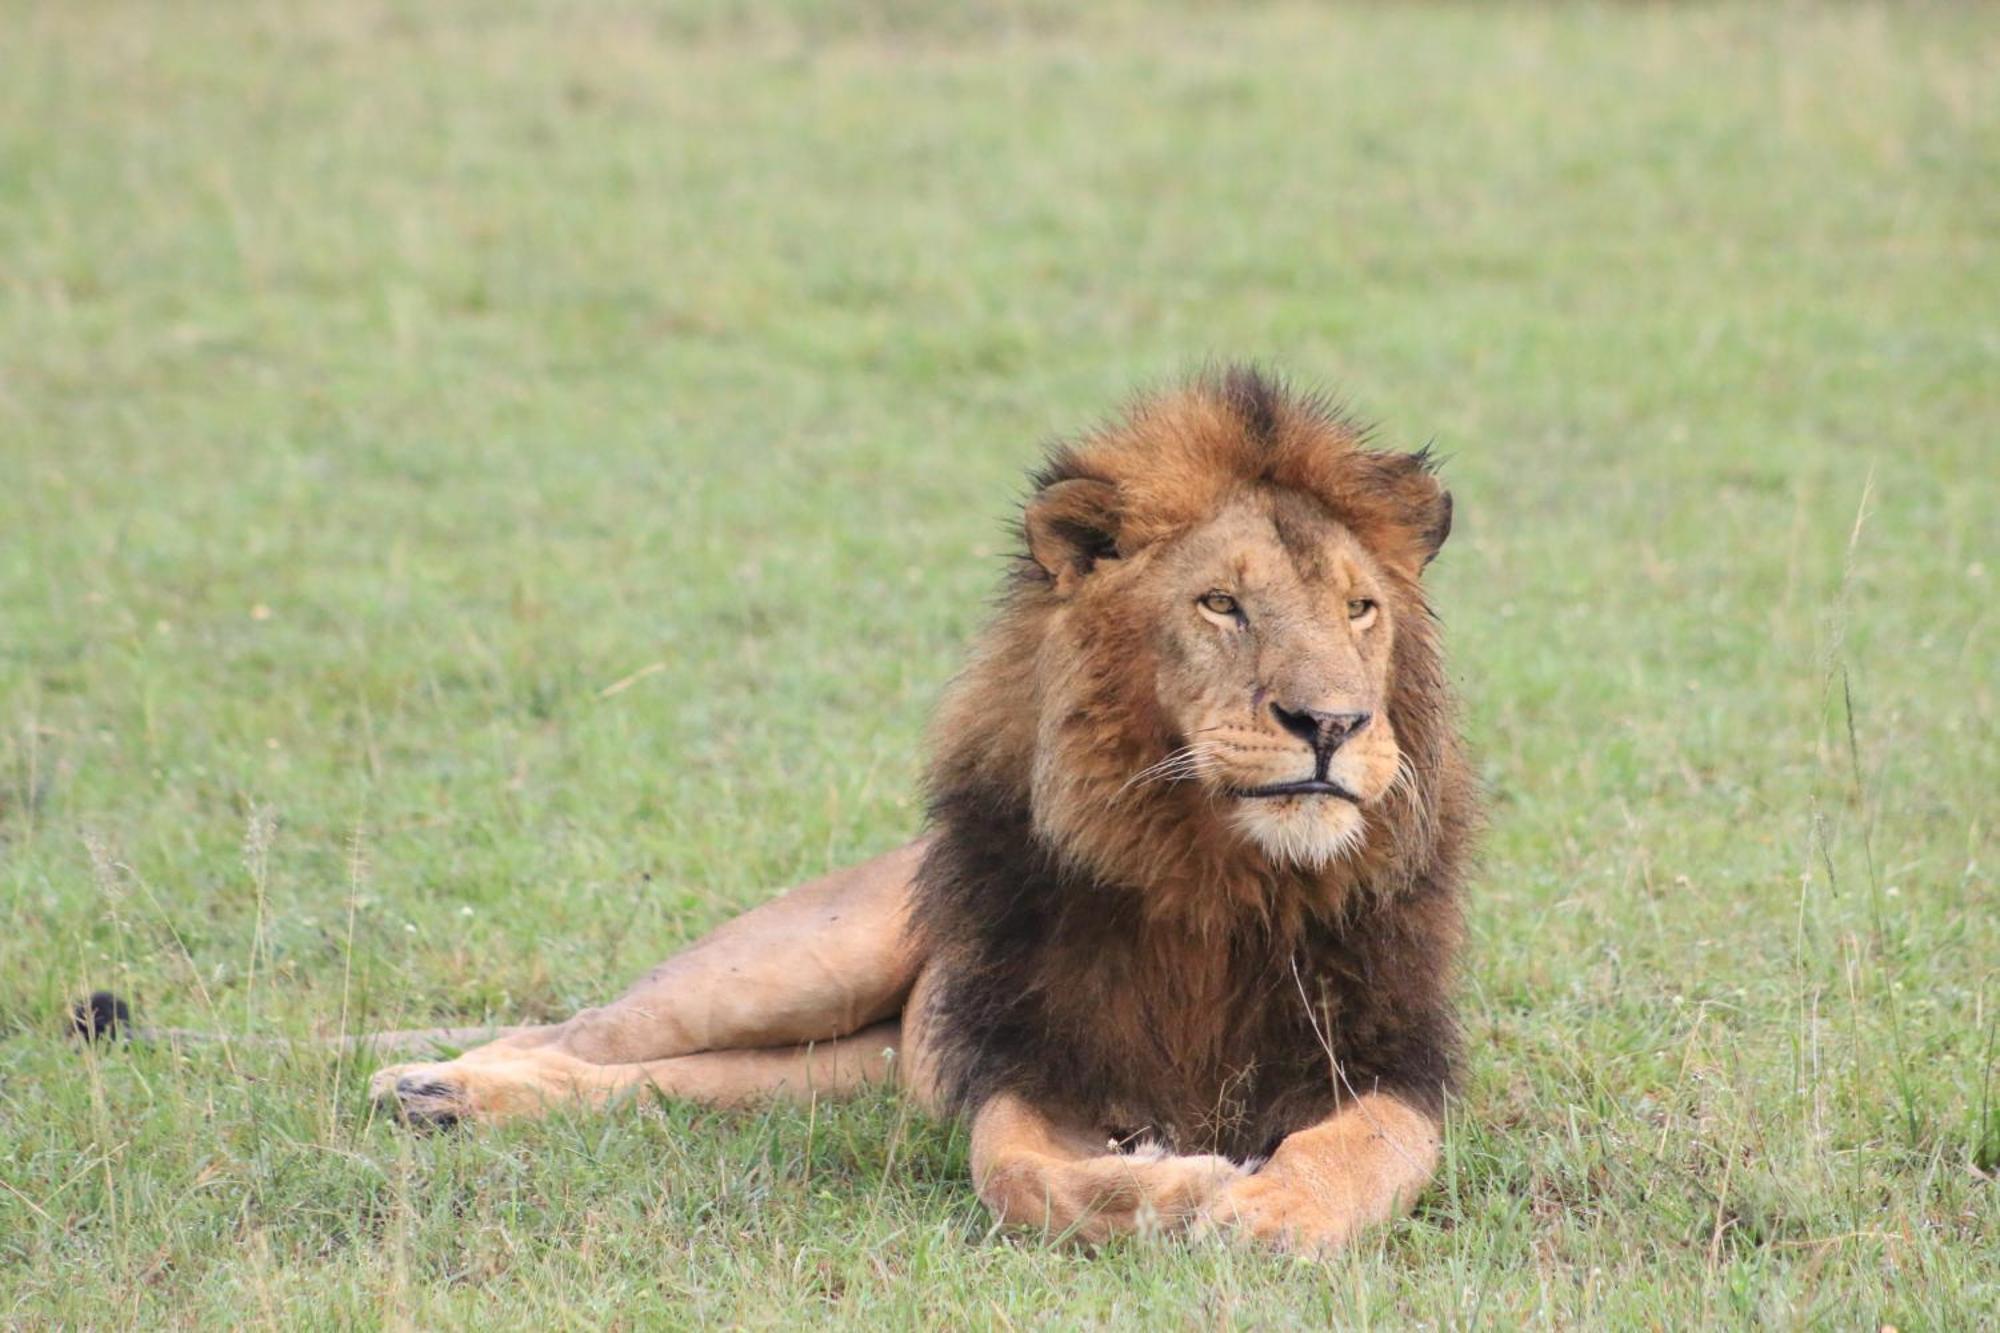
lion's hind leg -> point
(529, 1082)
(802, 973)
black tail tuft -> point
(102, 1017)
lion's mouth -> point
(1307, 787)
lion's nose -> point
(1325, 732)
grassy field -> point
(487, 490)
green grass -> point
(382, 382)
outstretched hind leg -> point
(532, 1081)
(819, 963)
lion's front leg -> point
(1033, 1172)
(1363, 1165)
(819, 963)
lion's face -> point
(1246, 657)
(1273, 629)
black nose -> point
(1325, 732)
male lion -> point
(1177, 939)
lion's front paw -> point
(1273, 1211)
(433, 1096)
(1166, 1192)
(1094, 1198)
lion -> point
(1176, 942)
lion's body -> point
(1136, 916)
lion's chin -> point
(1311, 832)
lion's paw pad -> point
(420, 1095)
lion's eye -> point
(1218, 604)
(1361, 610)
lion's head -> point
(1216, 668)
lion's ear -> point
(1072, 525)
(1437, 522)
(1417, 506)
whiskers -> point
(1403, 790)
(1190, 761)
(1404, 785)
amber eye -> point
(1218, 604)
(1361, 610)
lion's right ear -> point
(1072, 525)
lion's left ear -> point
(1437, 522)
(1418, 504)
(1072, 525)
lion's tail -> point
(103, 1016)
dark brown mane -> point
(1113, 951)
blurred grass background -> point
(489, 490)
